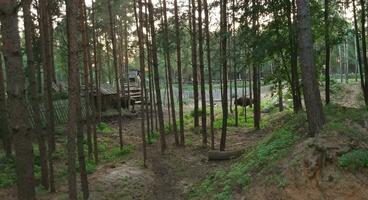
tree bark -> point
(19, 125)
(34, 93)
(48, 101)
(86, 80)
(170, 74)
(4, 123)
(142, 69)
(327, 50)
(73, 82)
(202, 75)
(358, 52)
(118, 99)
(157, 79)
(180, 77)
(312, 96)
(364, 49)
(194, 62)
(210, 90)
(223, 42)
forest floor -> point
(186, 172)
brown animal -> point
(243, 101)
(125, 100)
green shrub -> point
(354, 159)
(104, 128)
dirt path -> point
(168, 176)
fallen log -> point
(224, 155)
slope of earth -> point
(288, 164)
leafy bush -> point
(104, 128)
(354, 159)
(7, 172)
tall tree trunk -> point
(358, 52)
(34, 93)
(364, 49)
(97, 67)
(202, 75)
(19, 124)
(73, 91)
(327, 50)
(118, 99)
(210, 90)
(194, 61)
(86, 80)
(293, 58)
(126, 59)
(48, 101)
(170, 74)
(256, 77)
(4, 123)
(157, 79)
(96, 101)
(312, 96)
(234, 63)
(223, 42)
(180, 77)
(142, 69)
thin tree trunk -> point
(142, 69)
(170, 74)
(19, 124)
(347, 62)
(118, 99)
(327, 50)
(194, 62)
(34, 93)
(364, 48)
(358, 52)
(97, 85)
(157, 79)
(86, 80)
(281, 101)
(4, 123)
(311, 91)
(48, 101)
(73, 82)
(180, 78)
(234, 63)
(210, 90)
(224, 69)
(202, 75)
(256, 78)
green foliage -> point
(60, 95)
(269, 150)
(104, 128)
(153, 137)
(7, 172)
(354, 159)
(90, 166)
(339, 121)
(115, 153)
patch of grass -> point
(354, 159)
(279, 181)
(104, 128)
(154, 136)
(265, 153)
(115, 153)
(7, 172)
(90, 166)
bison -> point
(125, 100)
(243, 101)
